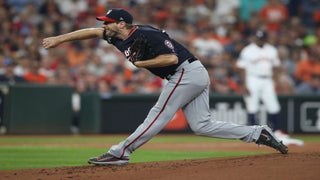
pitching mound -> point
(300, 163)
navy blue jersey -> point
(160, 43)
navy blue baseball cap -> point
(116, 15)
(261, 34)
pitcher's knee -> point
(202, 130)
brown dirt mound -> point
(300, 163)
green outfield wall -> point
(45, 109)
(37, 109)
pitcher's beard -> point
(111, 33)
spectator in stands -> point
(50, 9)
(9, 77)
(249, 8)
(109, 75)
(23, 65)
(222, 83)
(206, 46)
(92, 82)
(225, 12)
(307, 67)
(2, 66)
(95, 65)
(18, 5)
(104, 89)
(285, 83)
(107, 53)
(248, 28)
(72, 8)
(310, 12)
(33, 74)
(310, 87)
(274, 13)
(30, 14)
(63, 75)
(144, 82)
(5, 30)
(77, 54)
(317, 35)
(197, 13)
(173, 29)
(24, 22)
(236, 43)
(294, 7)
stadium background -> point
(215, 31)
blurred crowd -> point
(214, 30)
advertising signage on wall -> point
(124, 113)
(299, 114)
(310, 116)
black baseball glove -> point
(141, 50)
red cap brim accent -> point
(105, 19)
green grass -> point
(21, 152)
(41, 157)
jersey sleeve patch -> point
(168, 44)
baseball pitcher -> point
(187, 87)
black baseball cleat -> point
(108, 159)
(266, 138)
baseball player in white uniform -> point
(258, 63)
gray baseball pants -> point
(187, 89)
